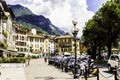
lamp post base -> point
(75, 76)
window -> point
(112, 58)
(25, 49)
(17, 37)
(18, 49)
(22, 37)
(116, 58)
(21, 49)
(31, 39)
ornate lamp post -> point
(29, 54)
(74, 32)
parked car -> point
(113, 61)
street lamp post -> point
(28, 58)
(29, 55)
(74, 32)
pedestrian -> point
(62, 65)
(45, 59)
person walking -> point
(45, 59)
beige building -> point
(7, 31)
(21, 39)
(35, 41)
(52, 44)
(49, 44)
(41, 44)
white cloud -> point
(60, 12)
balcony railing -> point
(65, 45)
(4, 39)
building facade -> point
(65, 43)
(83, 48)
(21, 40)
(35, 41)
(14, 39)
(7, 31)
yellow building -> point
(65, 43)
(83, 48)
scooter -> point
(92, 69)
(76, 70)
(82, 68)
(88, 68)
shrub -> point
(13, 60)
(6, 60)
(101, 61)
(0, 60)
(34, 57)
(4, 33)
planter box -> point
(12, 65)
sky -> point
(62, 12)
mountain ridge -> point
(29, 20)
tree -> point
(90, 37)
(104, 28)
(110, 17)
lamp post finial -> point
(74, 22)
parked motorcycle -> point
(77, 72)
(87, 67)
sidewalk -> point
(39, 70)
(13, 73)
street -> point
(39, 70)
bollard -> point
(97, 73)
(115, 74)
(85, 75)
(0, 70)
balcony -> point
(65, 45)
(4, 33)
(4, 39)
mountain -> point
(29, 20)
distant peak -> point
(17, 6)
(20, 10)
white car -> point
(113, 61)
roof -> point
(64, 36)
(36, 36)
(6, 8)
(11, 13)
(4, 5)
(22, 31)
